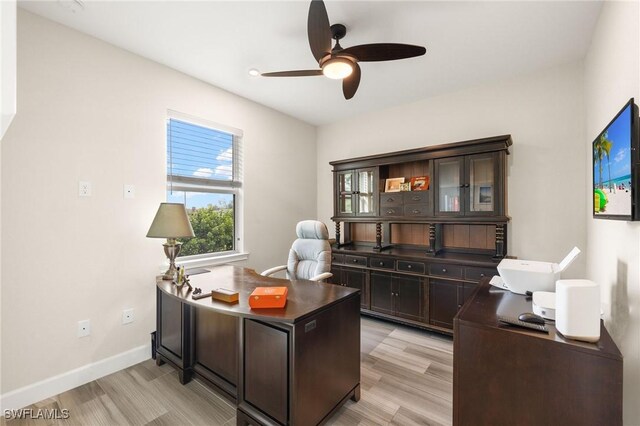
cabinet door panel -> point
(357, 278)
(381, 293)
(482, 194)
(443, 302)
(367, 192)
(408, 299)
(450, 186)
(345, 193)
(337, 275)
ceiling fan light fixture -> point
(337, 68)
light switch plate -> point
(84, 189)
(84, 328)
(129, 191)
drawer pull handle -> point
(390, 200)
(444, 270)
(459, 306)
(415, 198)
(355, 260)
(416, 211)
(381, 263)
(481, 275)
(409, 266)
(390, 211)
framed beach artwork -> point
(393, 184)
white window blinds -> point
(202, 156)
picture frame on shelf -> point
(485, 195)
(404, 187)
(420, 183)
(393, 184)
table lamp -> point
(171, 222)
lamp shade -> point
(171, 221)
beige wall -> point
(90, 111)
(612, 74)
(544, 115)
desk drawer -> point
(390, 199)
(416, 210)
(380, 262)
(390, 211)
(337, 258)
(476, 274)
(416, 267)
(444, 270)
(355, 260)
(416, 197)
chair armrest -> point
(273, 270)
(322, 276)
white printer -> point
(521, 276)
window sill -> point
(212, 260)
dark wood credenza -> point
(290, 366)
(504, 375)
(416, 256)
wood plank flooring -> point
(406, 379)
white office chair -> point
(310, 254)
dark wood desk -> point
(504, 375)
(291, 366)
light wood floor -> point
(406, 379)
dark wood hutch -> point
(417, 255)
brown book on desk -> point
(225, 295)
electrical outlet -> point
(84, 189)
(129, 191)
(84, 328)
(127, 316)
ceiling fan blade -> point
(384, 51)
(297, 73)
(318, 29)
(351, 83)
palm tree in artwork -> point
(606, 148)
(598, 155)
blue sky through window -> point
(196, 151)
(199, 199)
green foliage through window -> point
(213, 227)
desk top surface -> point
(488, 302)
(304, 298)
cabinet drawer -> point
(337, 258)
(416, 210)
(355, 260)
(443, 270)
(380, 262)
(390, 199)
(390, 211)
(416, 267)
(476, 274)
(415, 197)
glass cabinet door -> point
(366, 192)
(482, 183)
(346, 192)
(450, 185)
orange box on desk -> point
(268, 297)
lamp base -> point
(171, 249)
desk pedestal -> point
(278, 373)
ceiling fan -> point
(339, 63)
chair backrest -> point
(310, 254)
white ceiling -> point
(468, 43)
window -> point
(204, 172)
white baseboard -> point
(52, 386)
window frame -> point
(234, 187)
